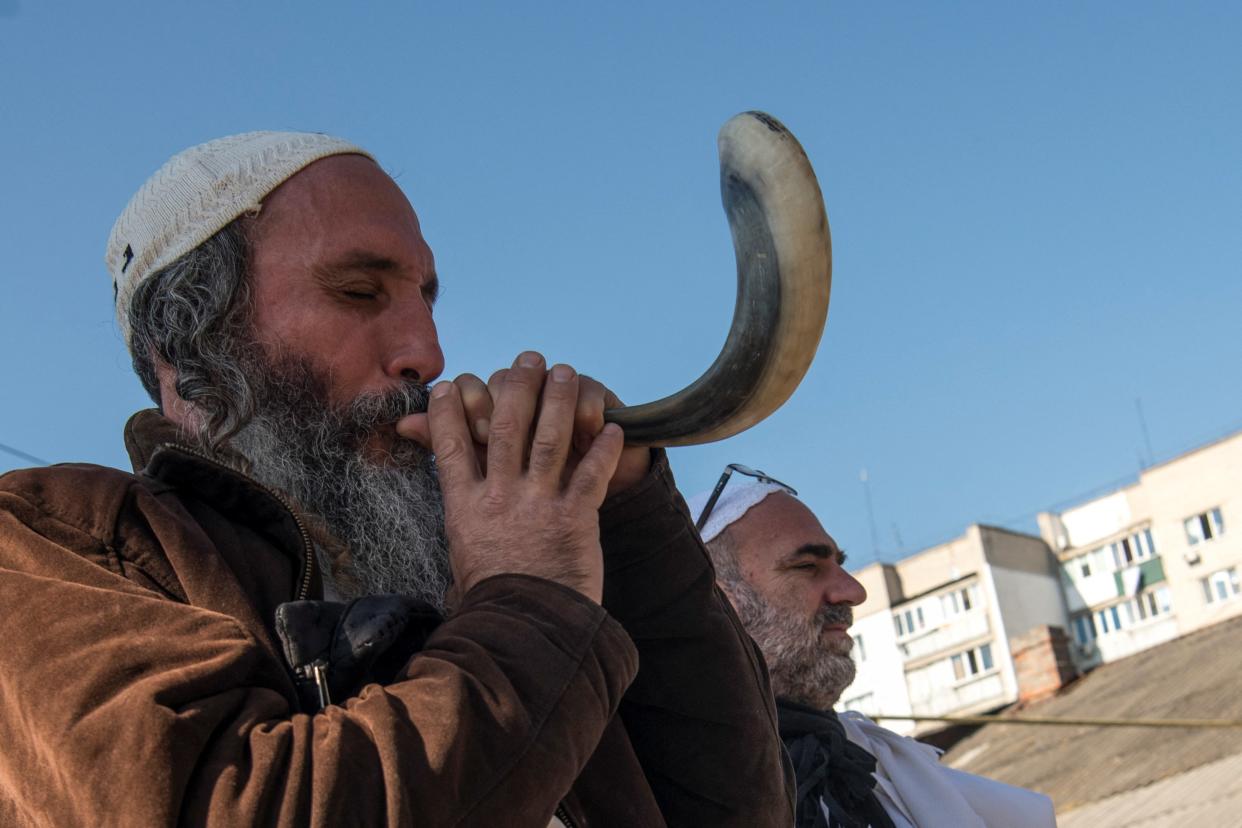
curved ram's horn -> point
(784, 274)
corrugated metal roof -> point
(1210, 796)
(1196, 676)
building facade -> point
(1153, 560)
(933, 637)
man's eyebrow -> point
(817, 550)
(361, 260)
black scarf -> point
(831, 768)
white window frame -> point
(1138, 546)
(958, 601)
(970, 664)
(1111, 557)
(1221, 586)
(1204, 527)
(1147, 606)
(905, 621)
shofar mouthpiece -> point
(784, 275)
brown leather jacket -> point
(141, 681)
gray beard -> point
(804, 668)
(387, 512)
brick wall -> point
(1042, 662)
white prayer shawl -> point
(919, 792)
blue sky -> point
(1035, 213)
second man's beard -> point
(804, 666)
(382, 503)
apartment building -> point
(1155, 559)
(934, 636)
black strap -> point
(336, 649)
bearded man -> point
(785, 576)
(289, 614)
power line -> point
(29, 458)
(1073, 722)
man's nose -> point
(844, 588)
(413, 346)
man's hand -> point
(478, 401)
(522, 507)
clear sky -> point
(1035, 212)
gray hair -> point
(741, 593)
(722, 549)
(194, 316)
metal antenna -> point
(1138, 405)
(875, 543)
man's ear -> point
(171, 404)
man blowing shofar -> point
(288, 615)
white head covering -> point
(199, 191)
(738, 497)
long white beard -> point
(386, 511)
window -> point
(958, 601)
(1107, 620)
(1084, 629)
(1080, 566)
(860, 652)
(972, 662)
(1221, 586)
(1143, 607)
(909, 622)
(1132, 549)
(1203, 527)
(1124, 552)
(1152, 604)
(1102, 560)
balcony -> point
(1131, 579)
(1129, 640)
(968, 626)
(976, 692)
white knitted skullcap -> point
(738, 497)
(196, 194)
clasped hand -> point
(525, 463)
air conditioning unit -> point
(1191, 557)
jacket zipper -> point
(316, 672)
(308, 548)
(563, 815)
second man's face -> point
(786, 555)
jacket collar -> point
(160, 450)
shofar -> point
(784, 275)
